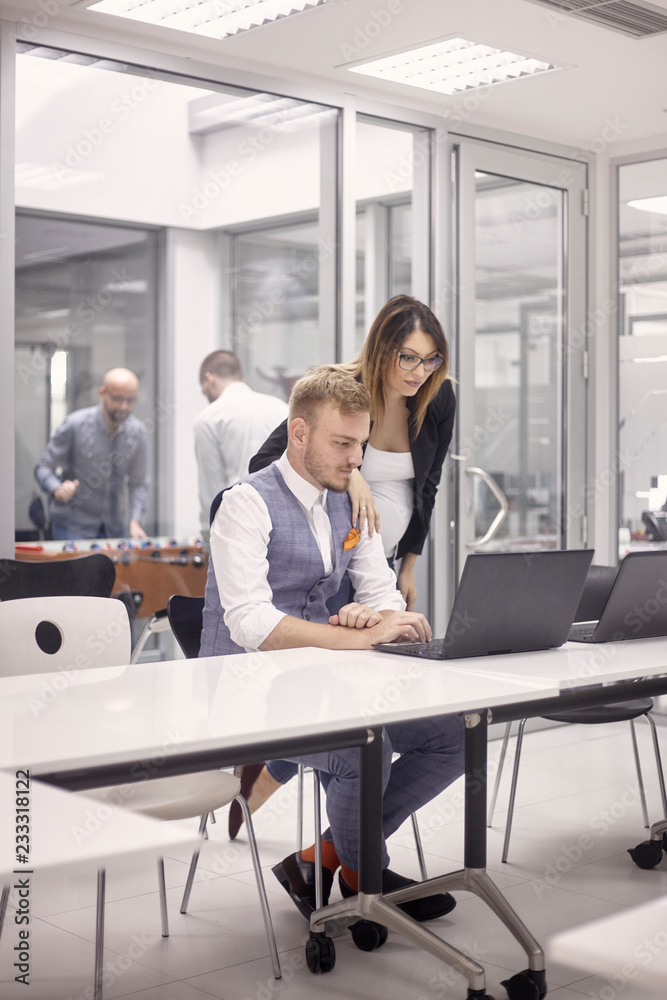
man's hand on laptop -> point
(384, 626)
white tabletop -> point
(577, 664)
(633, 942)
(68, 829)
(117, 714)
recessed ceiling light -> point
(453, 65)
(213, 18)
(657, 204)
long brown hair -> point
(397, 319)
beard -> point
(323, 476)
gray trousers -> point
(431, 758)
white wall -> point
(192, 311)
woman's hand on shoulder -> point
(363, 504)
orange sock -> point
(329, 856)
(350, 878)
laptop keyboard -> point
(582, 631)
(429, 650)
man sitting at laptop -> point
(280, 544)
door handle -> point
(477, 543)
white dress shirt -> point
(227, 434)
(239, 542)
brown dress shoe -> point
(298, 879)
(249, 773)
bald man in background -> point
(95, 467)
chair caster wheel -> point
(320, 953)
(526, 985)
(367, 935)
(646, 855)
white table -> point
(113, 724)
(61, 826)
(631, 944)
(103, 725)
(216, 705)
(52, 828)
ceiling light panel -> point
(212, 18)
(452, 66)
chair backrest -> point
(59, 634)
(599, 581)
(91, 575)
(185, 618)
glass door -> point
(520, 453)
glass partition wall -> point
(138, 260)
(642, 352)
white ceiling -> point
(612, 88)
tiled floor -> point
(577, 814)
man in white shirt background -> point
(231, 428)
(281, 541)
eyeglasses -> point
(130, 400)
(408, 362)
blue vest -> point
(296, 571)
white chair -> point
(52, 634)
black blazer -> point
(428, 454)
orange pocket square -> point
(352, 539)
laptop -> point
(636, 607)
(508, 602)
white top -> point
(391, 477)
(239, 541)
(227, 435)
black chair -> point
(185, 618)
(599, 582)
(92, 575)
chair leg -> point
(640, 780)
(299, 810)
(658, 761)
(261, 889)
(163, 897)
(501, 763)
(99, 933)
(193, 867)
(515, 778)
(4, 899)
(420, 849)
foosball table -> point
(153, 567)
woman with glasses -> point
(404, 363)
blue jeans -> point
(431, 758)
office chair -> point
(185, 617)
(43, 634)
(599, 582)
(91, 575)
